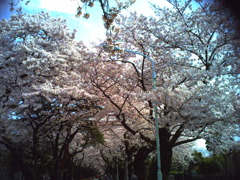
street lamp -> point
(112, 48)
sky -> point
(90, 30)
(4, 8)
(200, 145)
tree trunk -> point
(166, 152)
(126, 168)
(140, 162)
(166, 158)
(19, 158)
(55, 173)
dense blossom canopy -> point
(42, 98)
(56, 91)
(197, 62)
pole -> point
(154, 88)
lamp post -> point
(154, 76)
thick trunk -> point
(55, 175)
(19, 158)
(166, 155)
(61, 167)
(166, 158)
(166, 152)
(139, 162)
(27, 174)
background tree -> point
(208, 165)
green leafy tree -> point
(208, 165)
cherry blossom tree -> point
(197, 67)
(51, 83)
(46, 120)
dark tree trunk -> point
(166, 158)
(166, 152)
(19, 158)
(55, 175)
(28, 175)
(140, 162)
